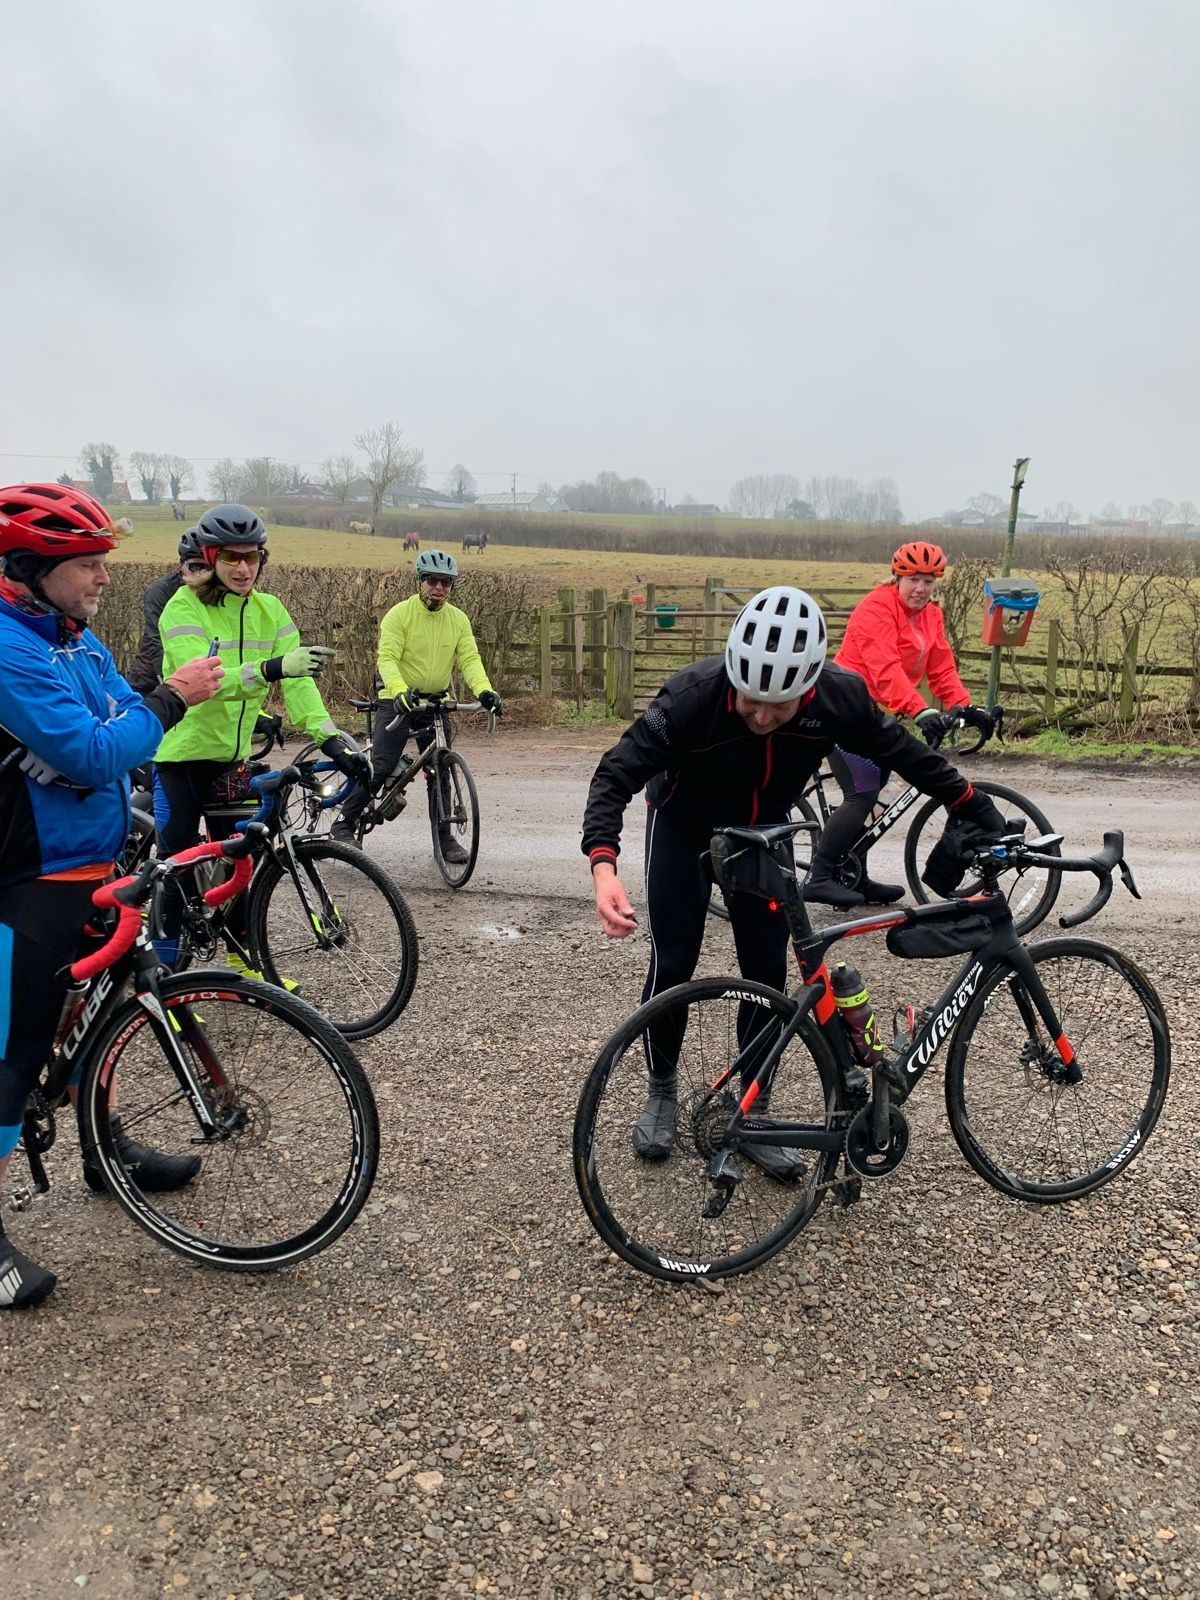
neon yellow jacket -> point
(418, 649)
(249, 629)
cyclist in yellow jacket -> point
(421, 641)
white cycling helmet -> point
(776, 647)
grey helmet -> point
(231, 524)
(189, 545)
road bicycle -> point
(453, 799)
(249, 1078)
(1031, 889)
(320, 917)
(1059, 1059)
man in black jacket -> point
(731, 742)
(145, 672)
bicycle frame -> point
(896, 1080)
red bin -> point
(1009, 604)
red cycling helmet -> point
(919, 559)
(53, 520)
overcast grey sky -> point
(680, 239)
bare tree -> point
(341, 473)
(1160, 512)
(1062, 511)
(179, 475)
(766, 494)
(459, 484)
(100, 463)
(988, 505)
(881, 501)
(1188, 514)
(547, 490)
(388, 461)
(1110, 511)
(148, 468)
(262, 477)
(223, 478)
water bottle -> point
(855, 1009)
(395, 797)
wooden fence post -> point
(577, 659)
(1051, 670)
(545, 679)
(650, 592)
(594, 635)
(610, 658)
(1129, 674)
(566, 604)
(624, 659)
(713, 588)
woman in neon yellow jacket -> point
(421, 641)
(203, 759)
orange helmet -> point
(918, 558)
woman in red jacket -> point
(894, 638)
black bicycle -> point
(321, 918)
(247, 1077)
(452, 796)
(1059, 1059)
(1031, 889)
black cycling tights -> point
(677, 894)
(182, 794)
(40, 924)
(860, 781)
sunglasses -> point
(228, 559)
(195, 566)
(439, 583)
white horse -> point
(361, 527)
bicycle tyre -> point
(1116, 1025)
(613, 1182)
(301, 1118)
(1031, 893)
(298, 811)
(462, 824)
(799, 810)
(375, 929)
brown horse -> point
(412, 541)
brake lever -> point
(1128, 879)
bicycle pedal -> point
(20, 1199)
(847, 1191)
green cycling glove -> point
(305, 661)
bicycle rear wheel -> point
(454, 814)
(298, 1143)
(1039, 1128)
(1030, 891)
(653, 1214)
(356, 955)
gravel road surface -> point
(936, 1392)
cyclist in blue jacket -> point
(71, 729)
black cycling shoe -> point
(152, 1171)
(453, 853)
(343, 833)
(784, 1165)
(829, 892)
(654, 1130)
(880, 894)
(22, 1282)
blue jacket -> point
(62, 697)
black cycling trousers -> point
(182, 794)
(677, 894)
(40, 925)
(387, 746)
(860, 781)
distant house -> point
(416, 498)
(978, 519)
(520, 502)
(695, 511)
(120, 491)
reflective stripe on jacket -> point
(249, 629)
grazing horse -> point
(412, 541)
(475, 541)
(361, 527)
(178, 512)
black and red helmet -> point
(55, 521)
(919, 558)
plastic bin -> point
(1009, 604)
(664, 614)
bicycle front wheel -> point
(301, 807)
(667, 1216)
(1039, 1128)
(347, 943)
(297, 1143)
(1030, 891)
(454, 812)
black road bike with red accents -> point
(1059, 1058)
(247, 1077)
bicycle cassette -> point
(862, 1156)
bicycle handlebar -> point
(439, 701)
(128, 895)
(981, 738)
(1111, 855)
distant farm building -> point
(520, 502)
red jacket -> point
(893, 648)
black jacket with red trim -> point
(698, 761)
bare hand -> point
(198, 679)
(612, 904)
